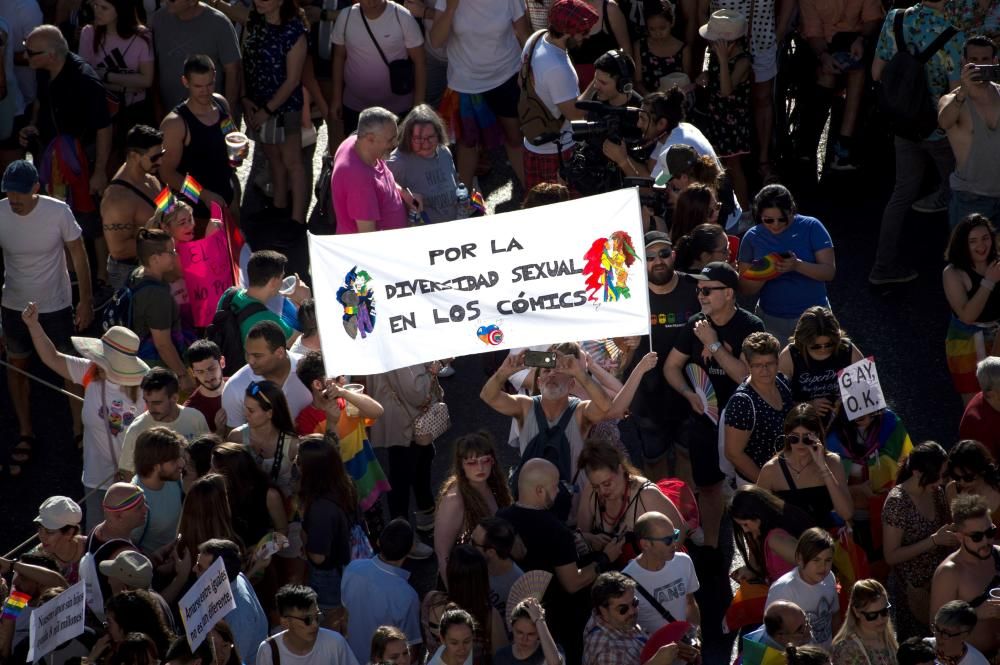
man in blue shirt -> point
(376, 593)
(922, 24)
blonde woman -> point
(867, 636)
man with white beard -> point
(552, 424)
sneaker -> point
(880, 277)
(842, 159)
(420, 550)
(446, 371)
(932, 203)
(424, 520)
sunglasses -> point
(872, 616)
(482, 460)
(707, 290)
(254, 391)
(821, 347)
(667, 540)
(306, 621)
(977, 536)
(807, 439)
(662, 254)
(773, 220)
(29, 52)
(623, 609)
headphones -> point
(626, 71)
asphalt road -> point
(902, 328)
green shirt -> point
(241, 300)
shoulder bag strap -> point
(786, 473)
(937, 44)
(370, 34)
(279, 452)
(107, 425)
(664, 612)
(897, 29)
(532, 43)
(275, 654)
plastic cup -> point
(352, 410)
(236, 144)
(995, 594)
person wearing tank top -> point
(970, 116)
(610, 32)
(194, 137)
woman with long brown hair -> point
(867, 635)
(475, 490)
(205, 514)
(255, 506)
(328, 502)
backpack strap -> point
(664, 612)
(526, 69)
(788, 476)
(897, 29)
(255, 307)
(937, 44)
(275, 654)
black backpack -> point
(118, 312)
(225, 329)
(552, 444)
(905, 97)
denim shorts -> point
(57, 325)
(326, 584)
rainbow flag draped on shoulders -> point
(885, 449)
(359, 458)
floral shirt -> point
(265, 51)
(851, 651)
(968, 16)
(920, 28)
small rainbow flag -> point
(191, 189)
(164, 200)
(227, 126)
(763, 269)
(477, 204)
(16, 602)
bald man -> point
(549, 545)
(125, 509)
(665, 578)
(784, 623)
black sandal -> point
(20, 455)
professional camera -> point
(588, 171)
(616, 123)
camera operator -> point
(612, 115)
(554, 82)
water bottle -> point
(462, 197)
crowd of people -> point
(208, 429)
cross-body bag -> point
(401, 72)
(536, 121)
(664, 612)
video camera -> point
(615, 123)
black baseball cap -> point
(656, 237)
(719, 271)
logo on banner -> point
(358, 300)
(608, 262)
(490, 334)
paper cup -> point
(352, 410)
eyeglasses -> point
(938, 630)
(31, 54)
(623, 609)
(307, 620)
(872, 616)
(253, 390)
(977, 536)
(804, 438)
(667, 540)
(773, 220)
(482, 460)
(963, 478)
(821, 347)
(707, 290)
(430, 138)
(768, 365)
(662, 254)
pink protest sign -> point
(208, 272)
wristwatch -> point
(714, 346)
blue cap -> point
(21, 176)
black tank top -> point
(205, 157)
(991, 312)
(816, 501)
(812, 379)
(595, 45)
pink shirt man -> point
(364, 192)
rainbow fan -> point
(704, 389)
(763, 269)
(530, 585)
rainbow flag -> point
(478, 205)
(164, 200)
(191, 189)
(359, 459)
(227, 126)
(763, 269)
(16, 602)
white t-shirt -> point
(818, 601)
(973, 656)
(669, 585)
(366, 77)
(190, 423)
(555, 82)
(687, 134)
(330, 649)
(233, 394)
(34, 255)
(482, 49)
(116, 411)
(436, 659)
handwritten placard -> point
(208, 272)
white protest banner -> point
(563, 272)
(57, 621)
(860, 391)
(209, 600)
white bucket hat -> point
(116, 353)
(725, 24)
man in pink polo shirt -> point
(365, 195)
